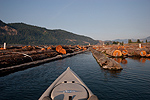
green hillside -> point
(33, 35)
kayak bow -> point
(68, 86)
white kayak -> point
(68, 86)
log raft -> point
(18, 58)
(104, 61)
(125, 51)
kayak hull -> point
(68, 86)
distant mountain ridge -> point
(126, 40)
(21, 33)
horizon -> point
(98, 19)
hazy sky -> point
(99, 19)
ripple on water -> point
(132, 83)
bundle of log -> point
(125, 51)
(104, 61)
(15, 55)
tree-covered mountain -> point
(20, 33)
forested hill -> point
(20, 33)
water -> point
(132, 83)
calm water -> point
(132, 83)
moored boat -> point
(68, 86)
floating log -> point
(143, 53)
(59, 49)
(63, 51)
(49, 48)
(114, 53)
(148, 55)
(138, 53)
(27, 48)
(69, 50)
(42, 49)
(8, 70)
(105, 62)
(124, 52)
(78, 46)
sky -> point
(98, 19)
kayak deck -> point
(68, 86)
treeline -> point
(33, 35)
(138, 41)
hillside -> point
(21, 33)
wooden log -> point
(142, 53)
(65, 47)
(63, 51)
(69, 50)
(42, 49)
(26, 48)
(148, 55)
(138, 53)
(105, 62)
(117, 53)
(124, 52)
(114, 53)
(49, 48)
(58, 48)
(78, 46)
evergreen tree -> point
(138, 41)
(129, 41)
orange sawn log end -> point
(117, 53)
(63, 51)
(58, 48)
(143, 53)
(124, 52)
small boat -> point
(68, 86)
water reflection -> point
(142, 60)
(124, 61)
(121, 60)
(112, 73)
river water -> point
(132, 83)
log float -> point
(124, 51)
(11, 69)
(104, 61)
